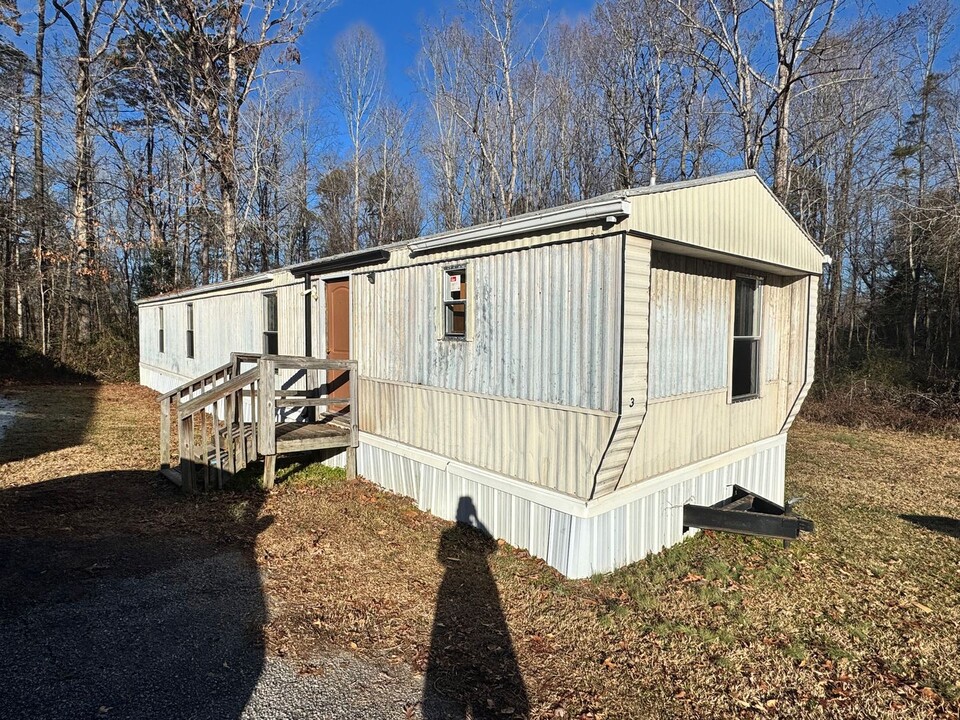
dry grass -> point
(861, 619)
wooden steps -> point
(228, 419)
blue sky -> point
(398, 24)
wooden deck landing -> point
(296, 437)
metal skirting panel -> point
(576, 545)
(543, 324)
(655, 521)
(159, 380)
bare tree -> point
(13, 69)
(92, 24)
(203, 60)
(39, 218)
(393, 188)
(738, 58)
(359, 68)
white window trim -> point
(263, 320)
(191, 332)
(759, 307)
(443, 300)
(161, 332)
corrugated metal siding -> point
(690, 311)
(546, 325)
(555, 447)
(689, 417)
(738, 217)
(683, 430)
(806, 349)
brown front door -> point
(338, 335)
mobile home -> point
(580, 373)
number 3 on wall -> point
(632, 402)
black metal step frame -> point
(746, 513)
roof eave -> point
(349, 261)
(606, 210)
(206, 289)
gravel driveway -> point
(135, 627)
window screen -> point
(271, 336)
(160, 328)
(455, 303)
(745, 370)
(189, 330)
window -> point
(271, 337)
(744, 375)
(160, 328)
(455, 303)
(189, 330)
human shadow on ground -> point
(938, 523)
(120, 598)
(472, 669)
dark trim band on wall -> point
(349, 261)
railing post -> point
(186, 454)
(312, 382)
(165, 433)
(229, 415)
(354, 432)
(268, 417)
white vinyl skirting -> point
(576, 537)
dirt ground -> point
(860, 619)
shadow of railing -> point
(121, 599)
(472, 668)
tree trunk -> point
(355, 230)
(39, 175)
(227, 156)
(83, 231)
(228, 202)
(781, 144)
(12, 288)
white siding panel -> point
(224, 322)
(738, 216)
(634, 363)
(551, 446)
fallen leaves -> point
(860, 617)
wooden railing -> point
(219, 433)
(218, 415)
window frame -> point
(447, 302)
(160, 330)
(190, 335)
(267, 296)
(756, 339)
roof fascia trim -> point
(618, 208)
